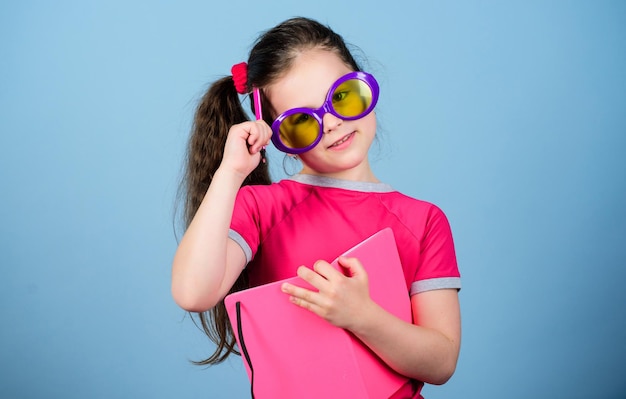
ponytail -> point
(219, 109)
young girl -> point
(243, 231)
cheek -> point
(371, 119)
(316, 160)
(369, 125)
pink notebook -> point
(296, 354)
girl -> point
(316, 103)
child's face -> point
(342, 151)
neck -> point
(362, 174)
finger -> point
(306, 299)
(266, 132)
(353, 266)
(253, 135)
(300, 294)
(318, 310)
(312, 277)
(259, 135)
(266, 138)
(326, 270)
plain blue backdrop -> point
(511, 116)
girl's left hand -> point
(341, 298)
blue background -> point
(511, 116)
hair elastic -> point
(240, 77)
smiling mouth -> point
(341, 141)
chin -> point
(338, 167)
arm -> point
(207, 262)
(426, 350)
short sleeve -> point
(438, 267)
(245, 223)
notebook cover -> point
(295, 353)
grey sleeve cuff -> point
(435, 284)
(233, 235)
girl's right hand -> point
(243, 145)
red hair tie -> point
(240, 77)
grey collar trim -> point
(331, 182)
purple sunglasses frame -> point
(327, 107)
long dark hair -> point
(271, 56)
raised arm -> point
(207, 262)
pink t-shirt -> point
(306, 218)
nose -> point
(330, 122)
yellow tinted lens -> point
(299, 130)
(352, 98)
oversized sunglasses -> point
(351, 97)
